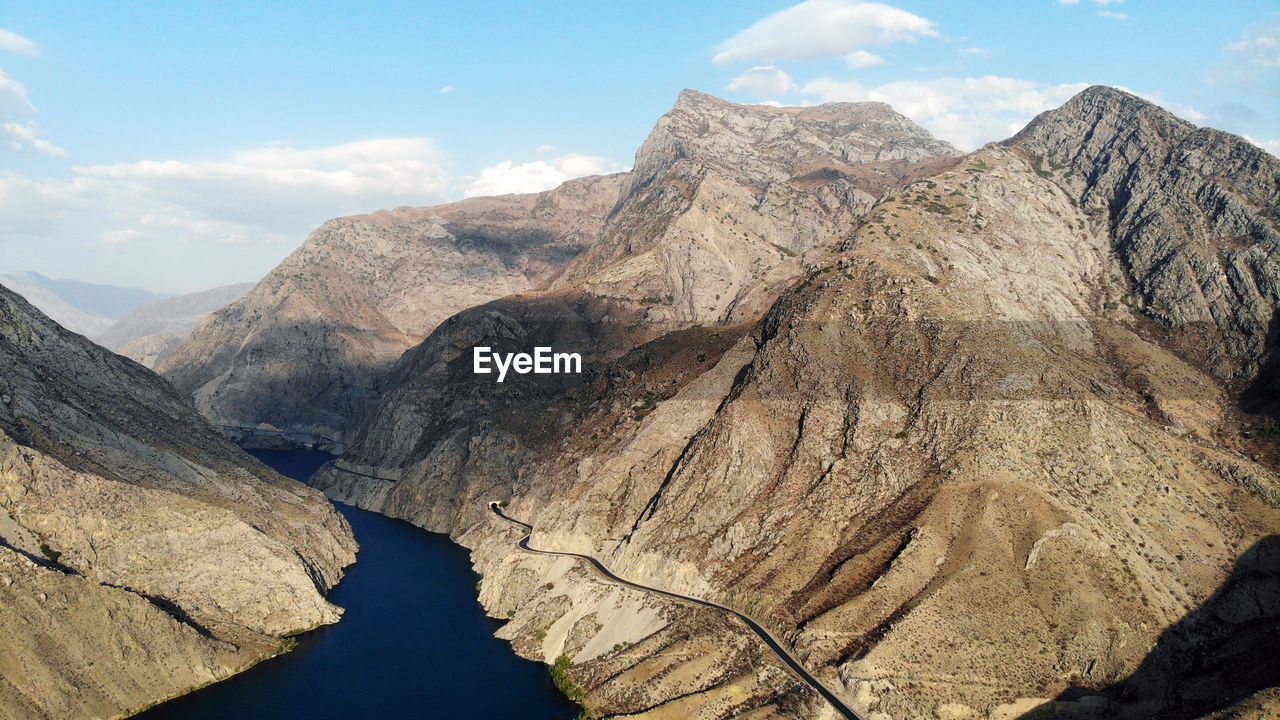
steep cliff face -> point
(301, 352)
(723, 199)
(1194, 213)
(951, 465)
(159, 555)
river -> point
(414, 642)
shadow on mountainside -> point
(1216, 656)
(1263, 396)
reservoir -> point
(413, 643)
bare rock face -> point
(709, 228)
(150, 333)
(296, 358)
(134, 525)
(962, 465)
(1194, 213)
(723, 199)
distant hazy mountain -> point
(86, 308)
(151, 332)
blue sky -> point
(177, 146)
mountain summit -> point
(1194, 214)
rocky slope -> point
(151, 333)
(1192, 215)
(978, 460)
(141, 554)
(723, 198)
(302, 351)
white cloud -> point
(1272, 146)
(18, 133)
(315, 183)
(1259, 45)
(974, 52)
(263, 195)
(1252, 61)
(967, 112)
(546, 148)
(1187, 112)
(972, 111)
(447, 89)
(13, 42)
(822, 29)
(23, 138)
(506, 177)
(13, 98)
(862, 58)
(764, 81)
(1113, 15)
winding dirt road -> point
(777, 647)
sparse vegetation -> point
(540, 635)
(50, 553)
(560, 678)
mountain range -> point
(81, 307)
(975, 455)
(975, 436)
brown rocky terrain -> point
(300, 354)
(983, 459)
(724, 198)
(709, 227)
(151, 333)
(141, 554)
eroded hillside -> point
(981, 454)
(297, 357)
(141, 553)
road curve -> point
(777, 647)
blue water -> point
(414, 642)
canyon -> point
(974, 436)
(972, 456)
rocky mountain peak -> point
(1191, 212)
(763, 142)
(1101, 107)
(725, 198)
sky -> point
(178, 146)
